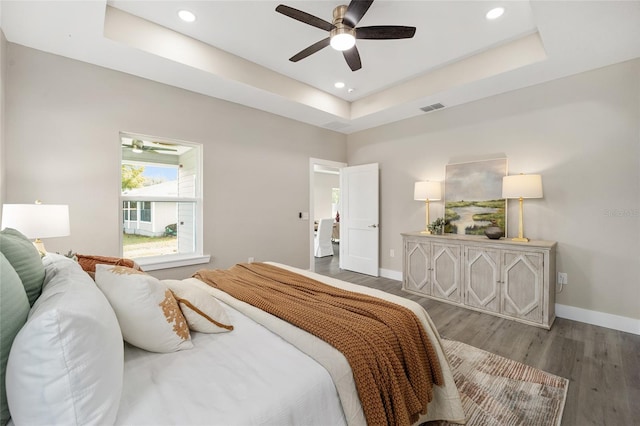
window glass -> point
(160, 194)
(145, 211)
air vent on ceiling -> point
(433, 107)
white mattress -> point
(249, 376)
(252, 376)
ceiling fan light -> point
(343, 41)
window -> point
(145, 211)
(129, 211)
(161, 199)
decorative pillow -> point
(149, 315)
(203, 311)
(89, 262)
(25, 259)
(14, 308)
(66, 364)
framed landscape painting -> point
(473, 196)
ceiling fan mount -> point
(343, 32)
(342, 37)
(138, 146)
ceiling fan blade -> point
(385, 32)
(151, 148)
(310, 50)
(352, 56)
(305, 17)
(355, 12)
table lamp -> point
(521, 186)
(37, 221)
(427, 191)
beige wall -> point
(323, 184)
(582, 133)
(63, 119)
(3, 67)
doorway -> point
(324, 202)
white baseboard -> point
(602, 319)
(391, 274)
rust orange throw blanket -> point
(393, 362)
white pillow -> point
(203, 311)
(66, 364)
(149, 315)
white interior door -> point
(359, 219)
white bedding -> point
(249, 376)
(252, 376)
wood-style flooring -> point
(603, 365)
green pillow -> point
(25, 259)
(14, 307)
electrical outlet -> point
(392, 253)
(251, 260)
(563, 278)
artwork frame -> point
(473, 196)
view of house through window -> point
(160, 197)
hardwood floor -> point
(603, 365)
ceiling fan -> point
(137, 146)
(343, 31)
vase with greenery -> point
(437, 226)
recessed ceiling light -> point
(495, 13)
(339, 85)
(186, 16)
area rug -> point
(500, 391)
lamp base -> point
(426, 231)
(39, 245)
(520, 239)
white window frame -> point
(129, 209)
(152, 263)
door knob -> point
(373, 226)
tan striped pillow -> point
(203, 311)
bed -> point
(69, 365)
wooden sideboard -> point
(509, 279)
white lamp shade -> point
(525, 186)
(37, 220)
(431, 191)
